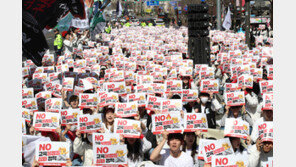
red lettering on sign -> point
(122, 122)
(153, 99)
(40, 116)
(222, 161)
(111, 86)
(43, 147)
(191, 117)
(121, 105)
(103, 150)
(83, 119)
(84, 96)
(64, 113)
(230, 95)
(159, 118)
(99, 138)
(210, 147)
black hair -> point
(194, 146)
(87, 111)
(176, 97)
(241, 147)
(203, 94)
(178, 136)
(73, 98)
(135, 152)
(105, 110)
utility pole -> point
(241, 12)
(218, 14)
(247, 15)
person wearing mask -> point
(173, 156)
(58, 43)
(236, 112)
(260, 152)
(208, 105)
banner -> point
(171, 105)
(116, 87)
(195, 121)
(46, 121)
(70, 116)
(153, 103)
(105, 139)
(257, 73)
(265, 131)
(189, 95)
(110, 155)
(126, 109)
(207, 74)
(267, 102)
(174, 86)
(216, 147)
(30, 104)
(53, 105)
(108, 99)
(89, 123)
(159, 88)
(170, 122)
(140, 98)
(236, 128)
(26, 114)
(245, 80)
(144, 88)
(27, 93)
(52, 153)
(235, 98)
(230, 161)
(127, 127)
(209, 85)
(88, 100)
(266, 87)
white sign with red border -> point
(89, 123)
(105, 139)
(195, 121)
(209, 85)
(110, 155)
(70, 116)
(127, 127)
(235, 98)
(126, 109)
(170, 122)
(236, 128)
(53, 105)
(46, 121)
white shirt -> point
(189, 151)
(183, 160)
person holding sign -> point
(173, 156)
(251, 102)
(267, 117)
(209, 106)
(236, 112)
(260, 153)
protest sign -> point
(126, 109)
(43, 95)
(153, 103)
(52, 153)
(145, 79)
(89, 123)
(40, 76)
(235, 98)
(30, 104)
(186, 71)
(216, 147)
(25, 72)
(171, 105)
(236, 128)
(209, 85)
(105, 139)
(70, 116)
(57, 88)
(189, 95)
(257, 73)
(107, 99)
(195, 121)
(173, 74)
(110, 155)
(116, 76)
(46, 121)
(267, 102)
(245, 80)
(269, 70)
(140, 98)
(159, 88)
(265, 131)
(88, 100)
(53, 105)
(68, 84)
(206, 74)
(127, 127)
(229, 161)
(27, 93)
(116, 87)
(26, 114)
(231, 87)
(174, 86)
(170, 122)
(144, 88)
(266, 87)
(200, 67)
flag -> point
(65, 22)
(227, 20)
(97, 25)
(118, 9)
